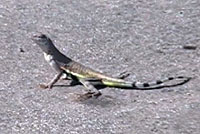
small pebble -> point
(21, 50)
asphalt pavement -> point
(149, 39)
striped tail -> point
(147, 86)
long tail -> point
(147, 86)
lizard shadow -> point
(103, 101)
(71, 84)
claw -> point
(45, 86)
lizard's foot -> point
(45, 86)
(82, 97)
(123, 75)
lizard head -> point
(43, 41)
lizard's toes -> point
(43, 86)
(97, 94)
(83, 97)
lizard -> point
(92, 80)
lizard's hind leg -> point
(91, 91)
(123, 75)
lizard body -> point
(67, 68)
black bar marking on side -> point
(146, 85)
(159, 82)
(170, 78)
(134, 86)
(180, 77)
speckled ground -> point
(150, 39)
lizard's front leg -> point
(52, 82)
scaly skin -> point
(91, 79)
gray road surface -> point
(143, 37)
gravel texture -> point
(148, 38)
